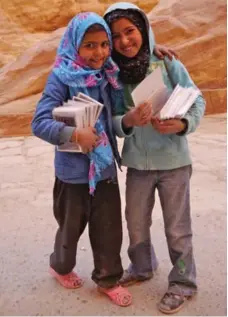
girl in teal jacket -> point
(157, 156)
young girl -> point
(157, 157)
(83, 64)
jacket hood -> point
(127, 6)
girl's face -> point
(127, 39)
(95, 49)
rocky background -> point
(30, 32)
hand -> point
(161, 51)
(170, 126)
(86, 138)
(138, 116)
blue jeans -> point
(173, 189)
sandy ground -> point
(27, 231)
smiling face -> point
(95, 49)
(127, 39)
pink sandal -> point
(119, 295)
(70, 280)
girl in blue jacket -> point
(157, 157)
(83, 64)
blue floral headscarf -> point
(71, 69)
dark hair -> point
(95, 28)
(132, 70)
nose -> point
(99, 51)
(124, 40)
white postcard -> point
(164, 104)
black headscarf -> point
(132, 70)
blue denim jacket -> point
(71, 167)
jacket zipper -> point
(145, 148)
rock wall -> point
(30, 32)
(197, 30)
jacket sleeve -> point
(119, 129)
(119, 111)
(43, 125)
(179, 75)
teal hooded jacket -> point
(145, 148)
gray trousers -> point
(173, 189)
(74, 208)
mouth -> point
(97, 61)
(127, 49)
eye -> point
(89, 45)
(129, 31)
(105, 44)
(115, 36)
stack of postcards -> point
(165, 104)
(81, 112)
